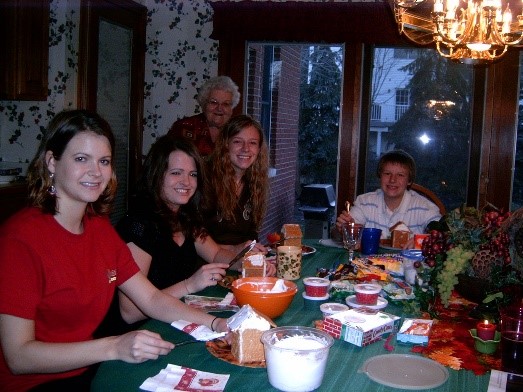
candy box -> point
(415, 331)
(360, 327)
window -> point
(405, 54)
(295, 91)
(402, 102)
(431, 122)
(375, 112)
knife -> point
(242, 253)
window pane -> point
(424, 105)
(294, 90)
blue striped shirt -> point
(415, 211)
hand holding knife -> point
(242, 253)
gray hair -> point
(223, 83)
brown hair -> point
(62, 128)
(401, 157)
(150, 187)
(221, 171)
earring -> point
(52, 189)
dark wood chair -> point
(429, 195)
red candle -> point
(485, 330)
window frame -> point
(494, 113)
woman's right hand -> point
(207, 275)
(140, 346)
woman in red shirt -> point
(60, 262)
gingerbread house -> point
(399, 235)
(247, 326)
(292, 234)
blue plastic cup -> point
(370, 240)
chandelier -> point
(480, 32)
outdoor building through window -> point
(294, 90)
(425, 109)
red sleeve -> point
(127, 267)
(20, 279)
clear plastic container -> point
(367, 293)
(410, 256)
(296, 357)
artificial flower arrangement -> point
(483, 245)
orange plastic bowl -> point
(255, 292)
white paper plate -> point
(405, 371)
(351, 301)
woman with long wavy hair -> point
(237, 172)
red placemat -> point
(450, 342)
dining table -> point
(343, 370)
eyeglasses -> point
(213, 104)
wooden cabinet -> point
(24, 39)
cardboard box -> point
(359, 326)
(416, 331)
(418, 240)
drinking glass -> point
(351, 237)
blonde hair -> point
(221, 172)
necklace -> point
(247, 209)
(246, 214)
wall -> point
(180, 56)
(23, 122)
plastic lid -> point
(333, 307)
(316, 282)
(415, 254)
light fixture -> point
(480, 32)
(439, 108)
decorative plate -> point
(222, 350)
(307, 250)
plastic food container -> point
(296, 357)
(331, 308)
(316, 287)
(367, 293)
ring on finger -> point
(212, 277)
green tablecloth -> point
(342, 368)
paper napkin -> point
(197, 331)
(178, 378)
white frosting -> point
(257, 259)
(279, 286)
(401, 227)
(291, 367)
(260, 287)
(247, 318)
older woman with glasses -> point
(217, 97)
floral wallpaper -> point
(23, 122)
(180, 56)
